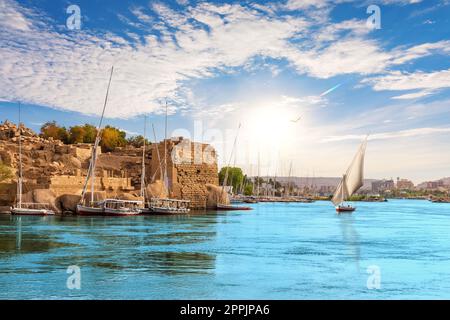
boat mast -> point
(275, 181)
(91, 170)
(19, 185)
(166, 180)
(159, 157)
(289, 180)
(143, 161)
(257, 179)
(229, 161)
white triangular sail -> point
(353, 179)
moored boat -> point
(250, 200)
(230, 207)
(25, 210)
(166, 206)
(92, 210)
(21, 208)
(110, 207)
(224, 196)
(117, 207)
(440, 200)
(161, 205)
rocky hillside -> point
(61, 169)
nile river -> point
(276, 251)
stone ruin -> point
(49, 164)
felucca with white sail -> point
(351, 181)
(23, 208)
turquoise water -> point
(276, 251)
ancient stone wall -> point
(49, 164)
(190, 166)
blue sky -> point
(258, 63)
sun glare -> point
(270, 125)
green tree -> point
(248, 190)
(77, 134)
(137, 141)
(112, 138)
(52, 130)
(90, 132)
(5, 172)
(235, 177)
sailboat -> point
(351, 181)
(167, 205)
(21, 208)
(107, 207)
(223, 206)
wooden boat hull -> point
(156, 210)
(89, 211)
(227, 207)
(120, 212)
(340, 209)
(440, 200)
(32, 212)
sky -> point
(297, 82)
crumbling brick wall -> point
(190, 166)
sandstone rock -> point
(6, 157)
(70, 161)
(68, 202)
(129, 196)
(157, 190)
(45, 196)
(5, 209)
(98, 195)
(215, 196)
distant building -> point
(326, 190)
(404, 184)
(383, 185)
(432, 185)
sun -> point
(270, 125)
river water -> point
(394, 250)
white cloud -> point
(70, 71)
(139, 13)
(304, 4)
(402, 55)
(414, 95)
(403, 2)
(427, 82)
(390, 135)
(11, 17)
(307, 4)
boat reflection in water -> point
(350, 237)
